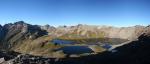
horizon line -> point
(76, 24)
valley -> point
(23, 43)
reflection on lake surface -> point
(89, 41)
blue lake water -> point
(76, 49)
(61, 42)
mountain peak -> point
(20, 22)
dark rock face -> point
(1, 33)
(2, 36)
(7, 55)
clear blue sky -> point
(72, 12)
